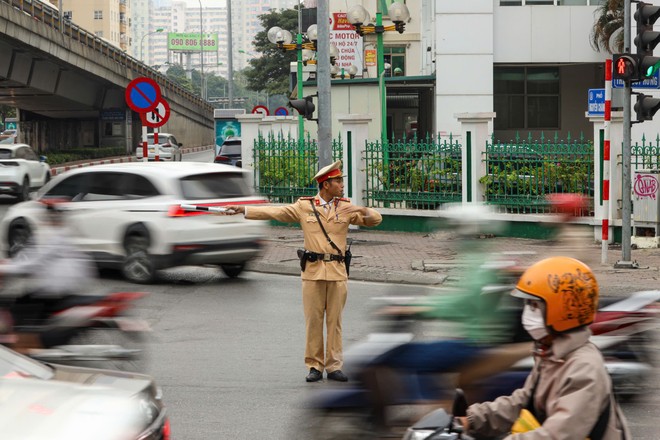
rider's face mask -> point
(533, 320)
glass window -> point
(526, 97)
(5, 153)
(214, 186)
(103, 186)
(69, 188)
(396, 57)
(21, 153)
(98, 15)
(30, 154)
(233, 148)
(137, 187)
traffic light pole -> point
(323, 82)
(626, 212)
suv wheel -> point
(137, 266)
(24, 193)
(18, 235)
(232, 270)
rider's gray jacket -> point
(573, 389)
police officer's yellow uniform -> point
(324, 282)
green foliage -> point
(270, 72)
(287, 169)
(78, 154)
(609, 21)
(536, 178)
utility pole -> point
(626, 213)
(230, 59)
(323, 82)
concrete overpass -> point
(70, 85)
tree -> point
(609, 23)
(177, 74)
(270, 72)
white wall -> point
(463, 59)
(544, 34)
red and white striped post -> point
(156, 146)
(606, 162)
(145, 148)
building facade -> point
(107, 19)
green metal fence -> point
(413, 174)
(645, 156)
(519, 174)
(284, 167)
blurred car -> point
(230, 152)
(21, 170)
(168, 148)
(129, 216)
(10, 132)
(40, 400)
(7, 139)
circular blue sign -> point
(281, 111)
(142, 95)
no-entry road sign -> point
(158, 116)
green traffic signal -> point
(649, 65)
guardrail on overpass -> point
(51, 17)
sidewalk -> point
(433, 259)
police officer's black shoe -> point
(338, 376)
(314, 375)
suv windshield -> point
(231, 149)
(214, 186)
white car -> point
(129, 216)
(21, 170)
(168, 148)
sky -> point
(205, 3)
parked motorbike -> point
(89, 331)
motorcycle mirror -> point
(459, 408)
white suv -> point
(168, 148)
(129, 216)
(21, 170)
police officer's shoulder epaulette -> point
(343, 199)
(306, 198)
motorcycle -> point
(623, 331)
(439, 425)
(89, 331)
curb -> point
(119, 159)
(357, 274)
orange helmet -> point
(568, 288)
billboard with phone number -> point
(189, 42)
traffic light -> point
(645, 107)
(304, 106)
(625, 67)
(647, 39)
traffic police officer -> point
(324, 275)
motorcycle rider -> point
(52, 267)
(569, 391)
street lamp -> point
(202, 92)
(142, 41)
(358, 16)
(283, 39)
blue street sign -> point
(142, 95)
(281, 111)
(649, 83)
(596, 102)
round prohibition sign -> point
(158, 116)
(142, 95)
(260, 110)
